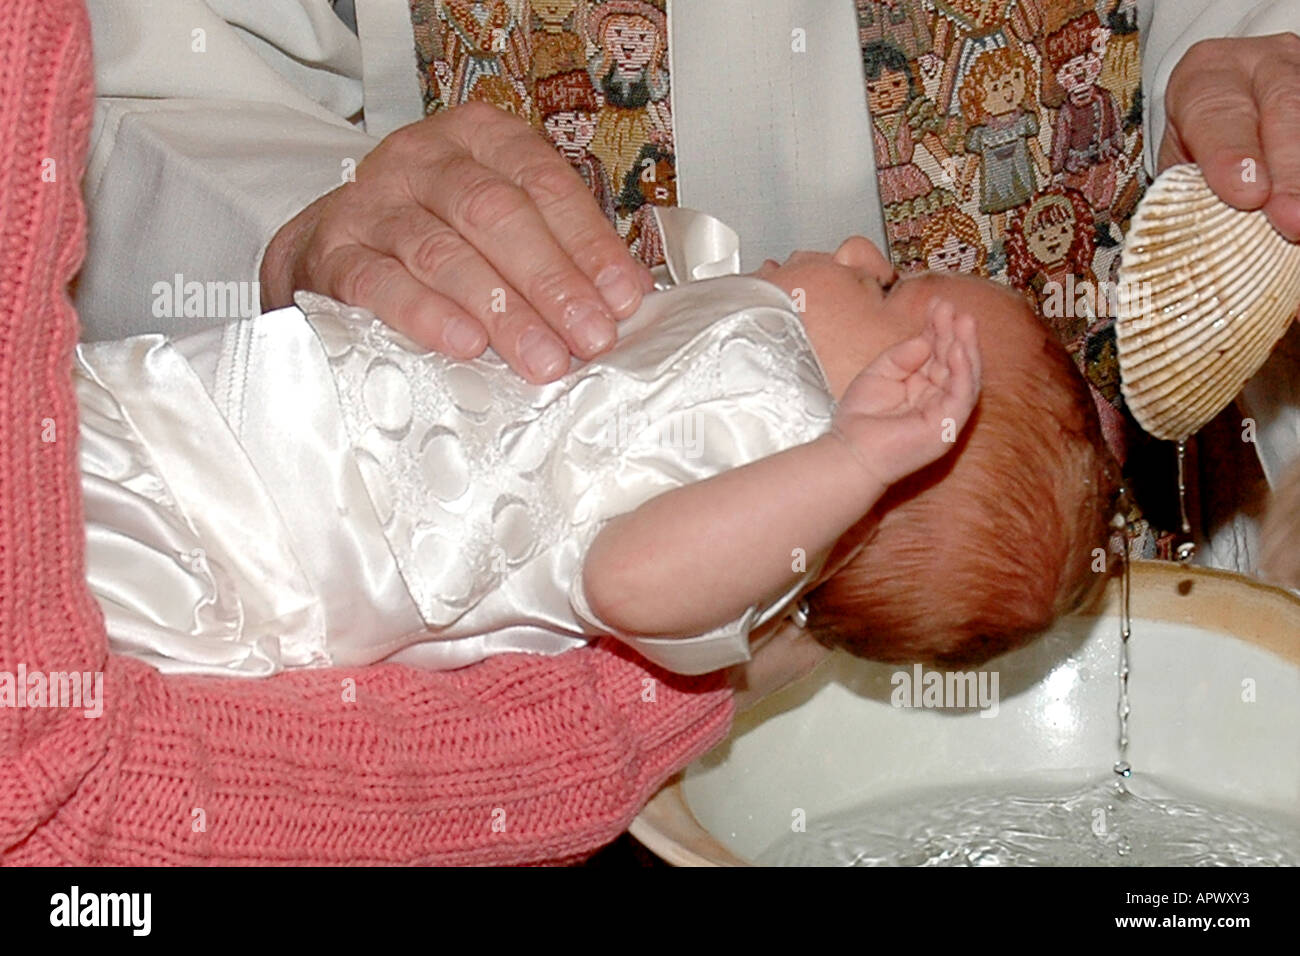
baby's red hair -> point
(981, 551)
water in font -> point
(1123, 819)
(1038, 822)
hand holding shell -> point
(1205, 293)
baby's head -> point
(979, 552)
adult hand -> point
(1279, 562)
(462, 230)
(782, 656)
(1233, 108)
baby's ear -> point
(1279, 561)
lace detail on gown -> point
(474, 473)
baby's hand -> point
(906, 409)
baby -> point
(308, 489)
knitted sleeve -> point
(518, 759)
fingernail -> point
(618, 288)
(589, 326)
(464, 336)
(544, 356)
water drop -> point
(1182, 487)
(1122, 767)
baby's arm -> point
(696, 557)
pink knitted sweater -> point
(518, 759)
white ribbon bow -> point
(696, 246)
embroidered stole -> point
(593, 76)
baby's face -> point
(855, 306)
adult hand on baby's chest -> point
(463, 230)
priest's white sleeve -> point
(215, 123)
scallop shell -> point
(1205, 292)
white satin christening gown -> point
(307, 488)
